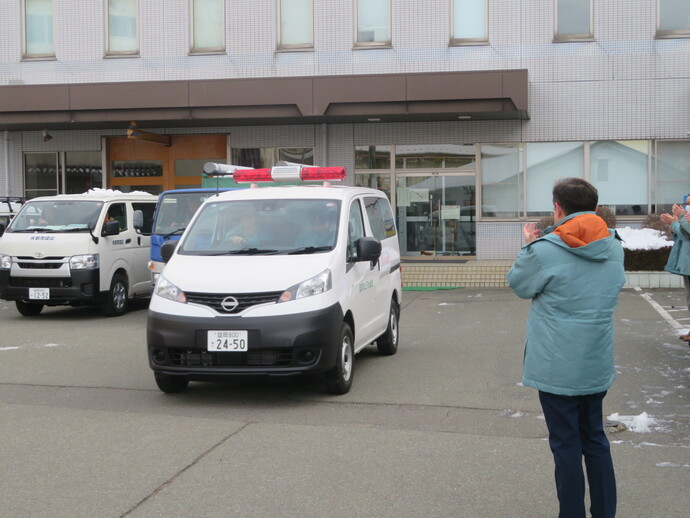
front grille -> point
(258, 358)
(29, 258)
(245, 300)
(40, 266)
(41, 282)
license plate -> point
(39, 293)
(227, 341)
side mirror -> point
(111, 228)
(368, 249)
(167, 250)
(138, 219)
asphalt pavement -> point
(442, 429)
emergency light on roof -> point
(280, 173)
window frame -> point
(197, 51)
(26, 56)
(575, 37)
(668, 33)
(459, 42)
(358, 45)
(295, 47)
(106, 31)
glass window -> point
(434, 156)
(83, 171)
(269, 156)
(673, 19)
(208, 26)
(40, 174)
(148, 210)
(117, 212)
(296, 24)
(501, 167)
(380, 181)
(38, 29)
(355, 230)
(573, 20)
(372, 157)
(132, 168)
(547, 163)
(121, 27)
(60, 215)
(619, 171)
(372, 24)
(380, 217)
(672, 174)
(469, 21)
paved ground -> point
(442, 429)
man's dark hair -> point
(575, 195)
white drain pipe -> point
(7, 162)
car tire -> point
(29, 309)
(339, 378)
(171, 384)
(117, 298)
(387, 343)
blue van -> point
(174, 211)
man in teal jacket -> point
(679, 258)
(573, 274)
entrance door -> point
(151, 167)
(436, 214)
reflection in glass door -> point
(436, 214)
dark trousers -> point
(576, 430)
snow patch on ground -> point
(643, 423)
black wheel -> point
(29, 309)
(170, 384)
(116, 300)
(387, 343)
(339, 378)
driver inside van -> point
(47, 216)
(321, 231)
(248, 233)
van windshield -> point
(175, 211)
(254, 227)
(56, 216)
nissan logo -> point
(229, 304)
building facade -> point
(463, 111)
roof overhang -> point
(496, 94)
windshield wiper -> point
(307, 250)
(176, 231)
(245, 251)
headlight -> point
(83, 262)
(318, 284)
(167, 290)
(5, 262)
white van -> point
(277, 281)
(76, 249)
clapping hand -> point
(530, 232)
(678, 211)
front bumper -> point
(278, 345)
(81, 286)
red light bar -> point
(322, 173)
(252, 175)
(290, 173)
